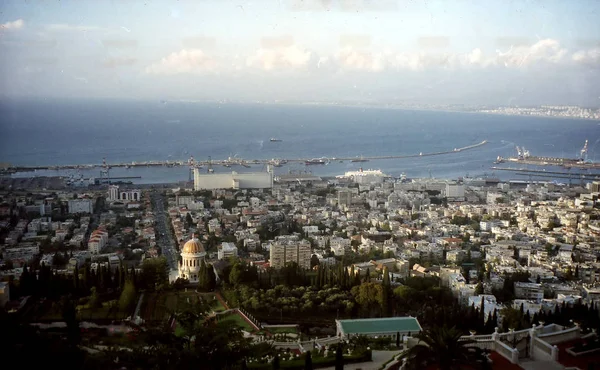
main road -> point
(164, 236)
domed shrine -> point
(192, 255)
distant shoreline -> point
(445, 110)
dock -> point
(226, 162)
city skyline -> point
(424, 52)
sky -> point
(427, 52)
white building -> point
(81, 206)
(489, 304)
(129, 195)
(365, 176)
(98, 240)
(233, 180)
(227, 250)
(192, 255)
(455, 191)
(529, 291)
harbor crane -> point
(192, 164)
(522, 153)
(105, 171)
(583, 153)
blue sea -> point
(55, 132)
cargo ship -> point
(274, 140)
(524, 157)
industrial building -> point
(233, 180)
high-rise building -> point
(284, 251)
(344, 197)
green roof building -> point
(380, 327)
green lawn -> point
(159, 306)
(239, 320)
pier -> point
(226, 162)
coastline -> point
(441, 110)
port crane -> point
(105, 172)
(583, 153)
(192, 164)
(522, 153)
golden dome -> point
(192, 246)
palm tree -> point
(441, 348)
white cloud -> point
(269, 59)
(543, 51)
(14, 25)
(71, 27)
(547, 50)
(351, 59)
(184, 61)
(587, 57)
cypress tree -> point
(202, 277)
(339, 358)
(211, 279)
(76, 280)
(308, 361)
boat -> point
(315, 161)
(275, 139)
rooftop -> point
(380, 325)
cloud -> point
(14, 25)
(544, 51)
(118, 62)
(269, 59)
(120, 43)
(351, 59)
(185, 61)
(587, 57)
(547, 50)
(70, 27)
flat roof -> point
(380, 325)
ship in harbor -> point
(316, 161)
(524, 157)
(274, 140)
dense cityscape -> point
(299, 185)
(303, 272)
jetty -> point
(8, 169)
